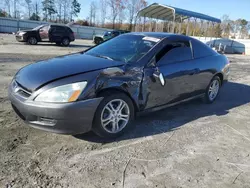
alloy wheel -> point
(213, 89)
(32, 40)
(115, 116)
(65, 42)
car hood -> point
(99, 36)
(26, 31)
(37, 74)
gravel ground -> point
(189, 145)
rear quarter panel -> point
(210, 66)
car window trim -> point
(45, 27)
(177, 40)
(192, 50)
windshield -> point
(107, 33)
(38, 27)
(125, 48)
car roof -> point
(54, 25)
(159, 35)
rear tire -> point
(212, 90)
(65, 41)
(32, 41)
(112, 121)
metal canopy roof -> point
(164, 12)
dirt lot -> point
(190, 145)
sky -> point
(216, 8)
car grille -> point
(20, 90)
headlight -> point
(64, 93)
(21, 33)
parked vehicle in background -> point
(227, 46)
(59, 34)
(108, 35)
(104, 87)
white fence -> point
(9, 25)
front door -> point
(44, 33)
(172, 79)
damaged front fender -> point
(125, 78)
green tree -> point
(226, 26)
(28, 2)
(116, 7)
(34, 16)
(243, 22)
(82, 22)
(227, 30)
(217, 31)
(133, 7)
(242, 26)
(75, 8)
(3, 13)
(49, 9)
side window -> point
(52, 29)
(174, 52)
(115, 33)
(44, 28)
(60, 29)
(68, 30)
(201, 50)
(108, 33)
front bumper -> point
(20, 38)
(68, 118)
(226, 73)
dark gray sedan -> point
(104, 87)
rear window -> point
(201, 50)
(69, 30)
(171, 53)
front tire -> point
(212, 90)
(98, 41)
(32, 40)
(113, 116)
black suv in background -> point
(61, 35)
